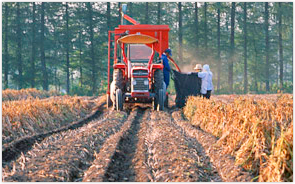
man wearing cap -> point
(166, 70)
(198, 68)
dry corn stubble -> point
(65, 156)
(224, 164)
(251, 128)
(32, 116)
(11, 94)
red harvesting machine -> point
(135, 70)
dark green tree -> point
(218, 47)
(281, 48)
(93, 69)
(266, 47)
(196, 25)
(33, 70)
(19, 47)
(245, 50)
(43, 61)
(159, 14)
(67, 50)
(146, 13)
(232, 48)
(205, 27)
(6, 54)
(180, 52)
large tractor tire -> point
(166, 103)
(119, 100)
(154, 105)
(117, 83)
(158, 85)
(109, 101)
(161, 100)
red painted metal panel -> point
(144, 27)
(160, 32)
(140, 76)
(157, 66)
(130, 19)
(109, 59)
(119, 66)
(140, 94)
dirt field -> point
(135, 145)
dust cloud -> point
(194, 56)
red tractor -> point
(134, 53)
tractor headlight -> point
(134, 82)
(146, 82)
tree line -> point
(63, 46)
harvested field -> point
(11, 94)
(139, 144)
(33, 116)
(64, 156)
(255, 129)
(224, 163)
(115, 159)
(13, 149)
(174, 156)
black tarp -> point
(186, 85)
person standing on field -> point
(207, 85)
(166, 69)
(198, 68)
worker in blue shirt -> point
(166, 69)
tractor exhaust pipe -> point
(125, 17)
(124, 11)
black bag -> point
(185, 85)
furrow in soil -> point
(66, 155)
(120, 167)
(173, 157)
(14, 149)
(225, 164)
(115, 160)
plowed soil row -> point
(172, 156)
(140, 145)
(12, 150)
(151, 147)
(114, 162)
(65, 156)
(225, 164)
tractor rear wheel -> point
(116, 84)
(154, 105)
(119, 100)
(109, 101)
(161, 100)
(118, 78)
(166, 100)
